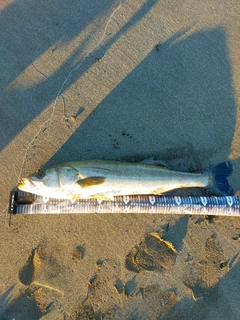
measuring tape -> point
(27, 203)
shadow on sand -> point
(36, 28)
(180, 95)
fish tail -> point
(218, 181)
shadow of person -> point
(38, 31)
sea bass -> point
(102, 179)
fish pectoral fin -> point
(154, 161)
(91, 181)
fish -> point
(105, 179)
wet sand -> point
(121, 80)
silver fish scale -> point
(227, 206)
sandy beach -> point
(119, 80)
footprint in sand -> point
(32, 303)
(152, 254)
(102, 298)
(44, 276)
(45, 270)
(31, 268)
(157, 303)
(46, 267)
(39, 266)
(207, 272)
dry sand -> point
(119, 80)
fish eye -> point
(40, 174)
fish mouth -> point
(24, 182)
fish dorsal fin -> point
(154, 161)
(90, 181)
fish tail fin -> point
(218, 181)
